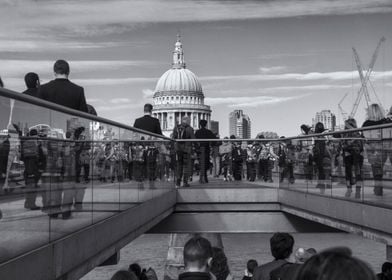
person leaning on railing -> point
(374, 145)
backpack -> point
(30, 148)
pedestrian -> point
(62, 91)
(374, 146)
(281, 249)
(148, 122)
(250, 267)
(353, 158)
(386, 272)
(183, 131)
(197, 259)
(204, 150)
(225, 151)
(322, 158)
(32, 83)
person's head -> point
(251, 265)
(31, 80)
(386, 269)
(261, 136)
(301, 255)
(375, 113)
(203, 123)
(219, 267)
(281, 244)
(232, 136)
(61, 68)
(350, 123)
(147, 108)
(305, 129)
(1, 83)
(33, 132)
(136, 269)
(124, 275)
(185, 120)
(337, 264)
(197, 254)
(319, 128)
(91, 110)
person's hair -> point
(91, 110)
(251, 265)
(350, 123)
(135, 268)
(203, 123)
(185, 119)
(197, 250)
(281, 245)
(319, 127)
(33, 132)
(232, 136)
(387, 266)
(124, 275)
(1, 83)
(337, 264)
(61, 67)
(31, 80)
(219, 266)
(148, 108)
(375, 113)
(261, 136)
(306, 129)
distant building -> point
(268, 134)
(239, 124)
(327, 118)
(215, 127)
(178, 93)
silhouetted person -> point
(136, 269)
(281, 249)
(32, 84)
(91, 110)
(336, 264)
(204, 149)
(386, 272)
(197, 259)
(1, 83)
(183, 150)
(62, 91)
(124, 275)
(147, 122)
(250, 267)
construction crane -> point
(342, 112)
(364, 79)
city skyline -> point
(274, 60)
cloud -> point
(119, 100)
(273, 69)
(17, 68)
(148, 93)
(97, 17)
(250, 101)
(311, 76)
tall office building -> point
(327, 118)
(239, 124)
(215, 127)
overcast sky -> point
(280, 61)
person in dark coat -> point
(62, 91)
(32, 84)
(281, 248)
(147, 122)
(197, 259)
(204, 149)
(386, 272)
(183, 150)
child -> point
(250, 267)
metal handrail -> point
(53, 106)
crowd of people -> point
(202, 261)
(78, 159)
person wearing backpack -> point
(183, 150)
(30, 156)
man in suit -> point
(147, 122)
(62, 91)
(32, 84)
(204, 150)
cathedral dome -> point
(178, 81)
